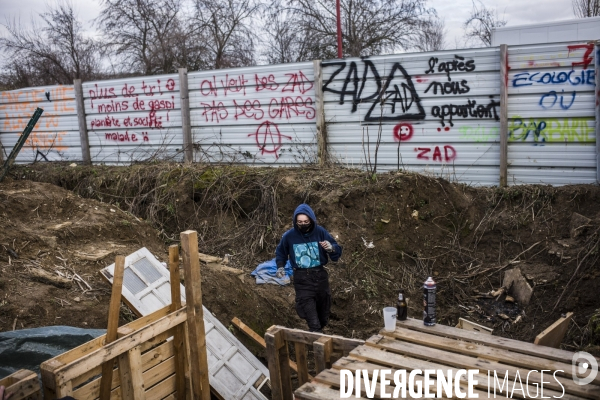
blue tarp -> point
(267, 273)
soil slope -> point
(465, 237)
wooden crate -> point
(22, 385)
(161, 355)
(142, 344)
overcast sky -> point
(454, 12)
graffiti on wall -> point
(152, 101)
(17, 107)
(263, 100)
(580, 77)
(540, 131)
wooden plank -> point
(120, 346)
(322, 348)
(317, 391)
(354, 365)
(113, 325)
(553, 335)
(467, 362)
(472, 326)
(332, 377)
(95, 344)
(503, 115)
(49, 367)
(492, 341)
(150, 359)
(161, 390)
(248, 331)
(256, 337)
(302, 363)
(399, 361)
(179, 336)
(130, 372)
(308, 338)
(21, 384)
(196, 332)
(64, 389)
(477, 350)
(277, 358)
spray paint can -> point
(429, 302)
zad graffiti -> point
(395, 97)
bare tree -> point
(481, 22)
(431, 35)
(55, 52)
(586, 8)
(145, 35)
(369, 27)
(287, 40)
(224, 26)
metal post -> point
(20, 142)
(83, 132)
(186, 123)
(503, 114)
(339, 28)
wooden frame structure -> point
(149, 365)
(414, 346)
(22, 385)
(327, 349)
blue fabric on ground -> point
(267, 273)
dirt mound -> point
(47, 230)
(465, 237)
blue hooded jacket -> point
(303, 249)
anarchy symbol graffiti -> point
(269, 138)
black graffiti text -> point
(448, 111)
(396, 96)
(458, 64)
(449, 87)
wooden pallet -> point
(162, 355)
(22, 385)
(413, 346)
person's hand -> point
(280, 272)
(327, 246)
(2, 395)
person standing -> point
(308, 247)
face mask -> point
(305, 228)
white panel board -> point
(55, 136)
(255, 116)
(233, 369)
(551, 125)
(434, 113)
(134, 119)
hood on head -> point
(306, 210)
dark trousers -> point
(313, 297)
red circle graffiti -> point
(269, 138)
(403, 132)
